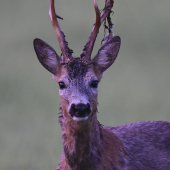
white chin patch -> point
(80, 118)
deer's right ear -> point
(46, 55)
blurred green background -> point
(135, 88)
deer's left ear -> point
(107, 53)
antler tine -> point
(66, 52)
(99, 20)
(95, 31)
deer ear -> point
(107, 53)
(46, 55)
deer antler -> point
(99, 20)
(66, 51)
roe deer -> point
(86, 144)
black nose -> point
(80, 110)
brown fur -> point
(87, 141)
(80, 141)
(113, 150)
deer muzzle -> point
(80, 111)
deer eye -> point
(94, 84)
(62, 85)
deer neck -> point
(82, 143)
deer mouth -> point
(80, 118)
(80, 111)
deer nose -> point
(80, 110)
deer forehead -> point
(76, 71)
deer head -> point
(78, 77)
